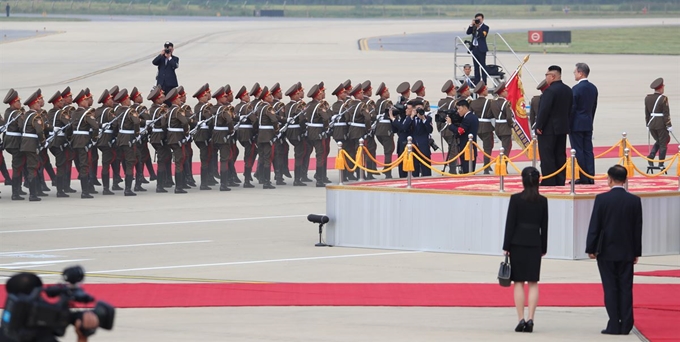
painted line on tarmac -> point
(253, 262)
(9, 254)
(39, 35)
(152, 224)
(49, 274)
(31, 264)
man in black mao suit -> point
(422, 128)
(403, 125)
(552, 126)
(479, 31)
(469, 125)
(582, 116)
(615, 239)
(166, 63)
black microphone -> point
(317, 218)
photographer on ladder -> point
(479, 31)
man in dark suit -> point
(469, 125)
(402, 124)
(422, 128)
(166, 63)
(479, 31)
(582, 116)
(552, 126)
(615, 239)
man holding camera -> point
(446, 105)
(468, 125)
(422, 129)
(479, 31)
(166, 63)
(383, 130)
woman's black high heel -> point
(520, 326)
(529, 327)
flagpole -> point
(524, 61)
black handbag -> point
(504, 273)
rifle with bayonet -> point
(54, 135)
(289, 122)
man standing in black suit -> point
(552, 126)
(166, 63)
(582, 116)
(478, 46)
(422, 128)
(469, 125)
(615, 239)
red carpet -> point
(666, 273)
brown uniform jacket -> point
(13, 133)
(317, 118)
(224, 123)
(144, 116)
(448, 103)
(384, 126)
(482, 109)
(501, 109)
(533, 110)
(158, 132)
(340, 128)
(129, 126)
(83, 127)
(177, 126)
(662, 109)
(359, 120)
(246, 129)
(105, 115)
(426, 103)
(58, 118)
(297, 128)
(32, 131)
(203, 112)
(267, 123)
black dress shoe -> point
(280, 182)
(116, 187)
(305, 179)
(520, 326)
(529, 327)
(606, 332)
(298, 183)
(268, 185)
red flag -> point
(521, 129)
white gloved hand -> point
(670, 128)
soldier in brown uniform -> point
(224, 125)
(295, 131)
(359, 122)
(105, 143)
(501, 109)
(658, 118)
(85, 129)
(339, 128)
(31, 139)
(317, 117)
(58, 118)
(118, 155)
(192, 119)
(13, 141)
(128, 131)
(203, 110)
(242, 119)
(144, 155)
(282, 148)
(369, 140)
(45, 163)
(67, 96)
(419, 90)
(533, 104)
(481, 107)
(268, 127)
(255, 92)
(448, 104)
(383, 130)
(404, 89)
(177, 128)
(157, 137)
(233, 177)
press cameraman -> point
(479, 31)
(400, 117)
(469, 124)
(166, 63)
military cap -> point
(227, 89)
(254, 89)
(180, 91)
(87, 92)
(381, 89)
(56, 97)
(366, 85)
(417, 86)
(448, 86)
(81, 95)
(66, 92)
(241, 92)
(171, 95)
(104, 96)
(11, 96)
(322, 86)
(463, 87)
(219, 92)
(292, 90)
(154, 94)
(338, 89)
(542, 86)
(358, 88)
(263, 94)
(114, 91)
(34, 97)
(499, 89)
(276, 87)
(403, 87)
(121, 96)
(134, 92)
(657, 84)
(481, 86)
(202, 90)
(347, 84)
(313, 91)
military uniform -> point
(224, 126)
(359, 124)
(105, 143)
(31, 139)
(501, 109)
(129, 129)
(481, 107)
(70, 154)
(13, 143)
(448, 104)
(59, 118)
(383, 129)
(85, 129)
(369, 140)
(317, 117)
(268, 127)
(535, 101)
(282, 148)
(658, 119)
(143, 153)
(204, 111)
(43, 155)
(177, 127)
(246, 136)
(157, 138)
(295, 133)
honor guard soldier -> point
(419, 90)
(339, 128)
(245, 134)
(105, 117)
(13, 141)
(404, 90)
(143, 147)
(157, 137)
(85, 130)
(45, 163)
(31, 140)
(3, 163)
(118, 160)
(359, 122)
(448, 104)
(533, 104)
(255, 92)
(268, 127)
(177, 127)
(67, 96)
(658, 118)
(295, 129)
(189, 181)
(481, 107)
(203, 110)
(501, 109)
(369, 140)
(383, 130)
(281, 149)
(347, 85)
(463, 92)
(59, 118)
(129, 129)
(233, 177)
(317, 118)
(224, 126)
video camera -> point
(28, 316)
(399, 108)
(441, 115)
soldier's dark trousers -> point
(225, 154)
(108, 155)
(146, 159)
(487, 145)
(387, 143)
(299, 152)
(18, 165)
(32, 167)
(280, 159)
(350, 146)
(94, 162)
(178, 156)
(83, 163)
(320, 147)
(205, 153)
(372, 147)
(3, 169)
(307, 156)
(130, 157)
(46, 165)
(249, 155)
(661, 140)
(265, 154)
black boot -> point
(207, 177)
(320, 177)
(267, 185)
(33, 187)
(138, 183)
(233, 174)
(38, 186)
(179, 178)
(204, 180)
(297, 177)
(159, 182)
(92, 189)
(84, 186)
(16, 187)
(128, 186)
(95, 181)
(5, 173)
(247, 178)
(224, 179)
(149, 167)
(106, 181)
(60, 187)
(67, 181)
(42, 185)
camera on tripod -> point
(28, 317)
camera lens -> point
(477, 21)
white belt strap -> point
(126, 131)
(219, 128)
(28, 118)
(385, 121)
(657, 114)
(501, 121)
(173, 129)
(267, 127)
(318, 125)
(340, 124)
(245, 126)
(157, 130)
(292, 126)
(110, 131)
(484, 109)
(13, 134)
(484, 120)
(30, 135)
(81, 132)
(357, 124)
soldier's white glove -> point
(670, 128)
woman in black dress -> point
(526, 241)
